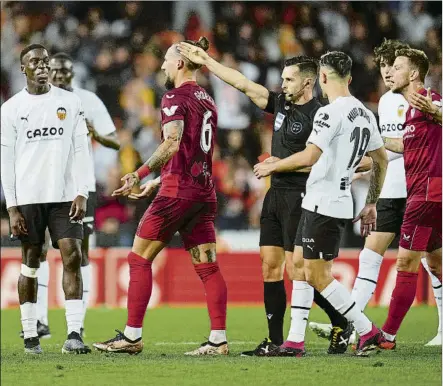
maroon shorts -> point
(421, 228)
(166, 216)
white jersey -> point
(43, 139)
(392, 110)
(344, 130)
(97, 114)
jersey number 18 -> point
(360, 137)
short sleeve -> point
(324, 128)
(272, 102)
(7, 128)
(173, 108)
(79, 121)
(101, 119)
(375, 141)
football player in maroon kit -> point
(186, 203)
(422, 151)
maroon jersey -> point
(188, 175)
(422, 154)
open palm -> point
(193, 53)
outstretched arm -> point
(295, 162)
(256, 92)
(109, 140)
(172, 134)
(394, 144)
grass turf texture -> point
(169, 332)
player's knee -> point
(72, 259)
(272, 271)
(407, 264)
(31, 255)
(434, 266)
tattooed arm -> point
(172, 135)
(394, 144)
(379, 167)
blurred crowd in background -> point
(118, 48)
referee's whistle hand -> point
(263, 169)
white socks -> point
(29, 319)
(436, 287)
(86, 277)
(217, 336)
(74, 315)
(341, 300)
(133, 333)
(301, 303)
(42, 293)
(366, 281)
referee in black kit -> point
(294, 110)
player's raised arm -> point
(172, 134)
(256, 92)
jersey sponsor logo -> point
(400, 110)
(45, 132)
(410, 129)
(170, 111)
(390, 127)
(170, 96)
(296, 128)
(61, 113)
(279, 121)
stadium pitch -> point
(169, 332)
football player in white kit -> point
(343, 132)
(44, 155)
(391, 206)
(102, 129)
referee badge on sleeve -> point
(278, 121)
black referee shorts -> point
(55, 217)
(319, 235)
(390, 212)
(280, 216)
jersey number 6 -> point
(360, 137)
(206, 135)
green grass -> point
(163, 363)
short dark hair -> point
(386, 51)
(30, 48)
(418, 58)
(63, 56)
(338, 61)
(306, 64)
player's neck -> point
(34, 89)
(337, 92)
(412, 87)
(184, 79)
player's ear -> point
(181, 64)
(22, 68)
(324, 78)
(413, 74)
(350, 80)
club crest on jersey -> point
(296, 128)
(61, 113)
(279, 121)
(400, 110)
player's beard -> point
(169, 83)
